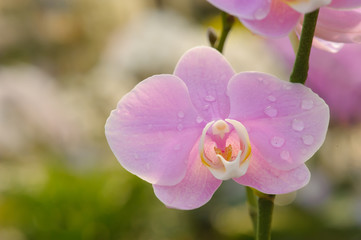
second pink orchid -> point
(276, 18)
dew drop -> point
(209, 98)
(300, 174)
(277, 141)
(199, 119)
(270, 111)
(304, 151)
(357, 39)
(285, 155)
(263, 80)
(271, 98)
(307, 104)
(180, 127)
(308, 139)
(206, 107)
(259, 14)
(181, 114)
(297, 125)
(287, 86)
(177, 147)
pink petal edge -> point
(206, 73)
(153, 130)
(287, 123)
(339, 26)
(263, 177)
(279, 22)
(195, 190)
(244, 9)
(345, 4)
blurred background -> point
(64, 65)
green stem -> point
(227, 23)
(264, 220)
(252, 207)
(300, 68)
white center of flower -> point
(220, 128)
(306, 6)
(226, 150)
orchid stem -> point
(300, 68)
(227, 23)
(252, 207)
(264, 219)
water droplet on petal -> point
(180, 127)
(300, 174)
(308, 139)
(357, 39)
(277, 141)
(259, 14)
(199, 119)
(209, 98)
(206, 107)
(271, 98)
(270, 111)
(287, 86)
(307, 104)
(297, 125)
(181, 114)
(177, 147)
(285, 155)
(263, 80)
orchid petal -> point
(328, 46)
(206, 73)
(153, 130)
(340, 89)
(194, 190)
(265, 178)
(345, 4)
(287, 122)
(339, 26)
(255, 9)
(279, 22)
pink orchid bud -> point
(187, 132)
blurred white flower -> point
(151, 43)
(32, 110)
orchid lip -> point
(225, 163)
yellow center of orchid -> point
(226, 149)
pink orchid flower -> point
(185, 133)
(277, 18)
